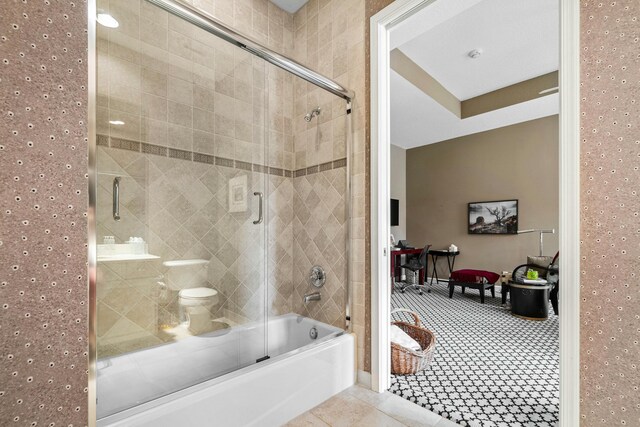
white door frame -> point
(569, 164)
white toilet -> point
(195, 300)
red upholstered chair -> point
(475, 279)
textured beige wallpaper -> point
(610, 181)
(43, 153)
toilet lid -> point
(197, 293)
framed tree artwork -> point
(495, 217)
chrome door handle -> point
(116, 198)
(259, 194)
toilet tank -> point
(186, 273)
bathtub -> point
(300, 373)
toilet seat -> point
(197, 293)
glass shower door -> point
(181, 207)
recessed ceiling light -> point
(116, 122)
(107, 20)
(475, 53)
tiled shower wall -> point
(175, 85)
(180, 208)
(194, 112)
(183, 93)
(319, 231)
(330, 37)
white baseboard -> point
(364, 379)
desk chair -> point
(417, 264)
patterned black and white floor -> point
(490, 369)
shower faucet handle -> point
(317, 277)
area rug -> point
(490, 369)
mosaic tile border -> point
(160, 150)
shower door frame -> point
(569, 163)
(210, 24)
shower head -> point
(315, 112)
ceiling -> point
(290, 6)
(416, 119)
(519, 40)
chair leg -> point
(554, 300)
(482, 289)
(493, 291)
(451, 286)
(463, 290)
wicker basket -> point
(405, 361)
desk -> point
(435, 255)
(396, 255)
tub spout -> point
(312, 297)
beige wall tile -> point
(203, 120)
(179, 137)
(180, 114)
(183, 27)
(203, 98)
(179, 90)
(204, 142)
(154, 82)
(153, 33)
(154, 107)
(154, 14)
(154, 131)
(179, 44)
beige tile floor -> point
(358, 406)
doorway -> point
(383, 25)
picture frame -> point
(493, 217)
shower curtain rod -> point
(213, 26)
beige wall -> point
(514, 162)
(398, 189)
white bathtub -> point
(300, 374)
